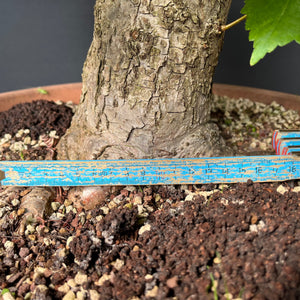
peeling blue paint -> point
(151, 172)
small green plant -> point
(228, 296)
(42, 91)
(228, 122)
(208, 201)
(21, 155)
(129, 205)
(219, 261)
(221, 188)
(241, 293)
(5, 291)
(214, 285)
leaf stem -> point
(228, 26)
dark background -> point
(45, 42)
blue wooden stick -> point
(160, 171)
(151, 172)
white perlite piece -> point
(19, 133)
(64, 288)
(15, 202)
(94, 295)
(72, 283)
(148, 277)
(105, 209)
(70, 295)
(145, 228)
(224, 201)
(152, 293)
(69, 240)
(37, 272)
(80, 295)
(255, 228)
(190, 197)
(18, 146)
(206, 194)
(27, 140)
(81, 278)
(137, 200)
(102, 279)
(9, 245)
(118, 264)
(55, 205)
(281, 189)
(5, 139)
(296, 189)
(53, 134)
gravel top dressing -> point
(237, 241)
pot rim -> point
(72, 91)
(64, 92)
(289, 101)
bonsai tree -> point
(147, 78)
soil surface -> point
(40, 116)
(237, 241)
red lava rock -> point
(75, 221)
(89, 197)
(34, 249)
(254, 219)
(47, 273)
(24, 252)
(23, 289)
(278, 288)
(124, 192)
(172, 282)
(57, 277)
(14, 277)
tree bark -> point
(147, 81)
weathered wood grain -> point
(151, 172)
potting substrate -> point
(205, 241)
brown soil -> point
(40, 116)
(235, 241)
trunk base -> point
(205, 140)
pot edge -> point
(72, 91)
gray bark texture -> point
(147, 81)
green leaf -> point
(42, 91)
(271, 23)
(4, 291)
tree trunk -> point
(147, 81)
